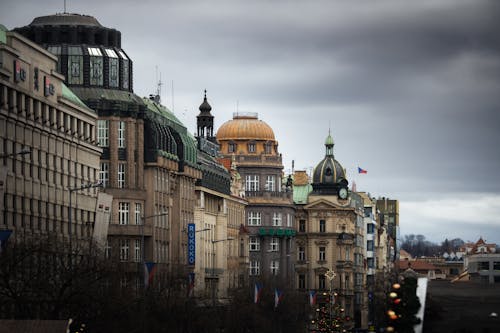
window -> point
(322, 226)
(138, 213)
(103, 133)
(369, 245)
(274, 246)
(251, 183)
(95, 66)
(137, 251)
(347, 281)
(113, 68)
(254, 267)
(254, 244)
(302, 225)
(321, 281)
(277, 220)
(268, 148)
(322, 253)
(483, 265)
(370, 263)
(231, 147)
(125, 72)
(302, 253)
(254, 218)
(104, 174)
(302, 281)
(121, 175)
(270, 183)
(251, 147)
(107, 251)
(370, 228)
(75, 65)
(289, 220)
(123, 212)
(121, 134)
(275, 265)
(347, 254)
(496, 265)
(124, 249)
(359, 279)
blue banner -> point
(191, 244)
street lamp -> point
(23, 151)
(70, 208)
(213, 264)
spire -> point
(329, 144)
(205, 120)
(205, 107)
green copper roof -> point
(70, 96)
(300, 193)
(163, 115)
(329, 140)
(3, 35)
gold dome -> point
(245, 126)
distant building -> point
(327, 237)
(482, 262)
(218, 217)
(250, 145)
(389, 213)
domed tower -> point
(251, 144)
(205, 121)
(329, 176)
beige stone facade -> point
(38, 113)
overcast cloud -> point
(410, 89)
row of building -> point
(83, 157)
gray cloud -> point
(409, 89)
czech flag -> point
(190, 284)
(278, 296)
(362, 170)
(312, 297)
(258, 291)
(149, 271)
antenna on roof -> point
(172, 95)
(157, 97)
(64, 6)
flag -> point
(190, 284)
(258, 291)
(4, 237)
(312, 297)
(278, 295)
(149, 271)
(362, 170)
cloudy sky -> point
(410, 89)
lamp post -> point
(330, 274)
(23, 151)
(213, 265)
(70, 209)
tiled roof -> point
(416, 265)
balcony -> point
(213, 273)
(344, 264)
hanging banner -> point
(191, 244)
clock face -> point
(343, 193)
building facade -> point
(251, 145)
(329, 223)
(48, 147)
(149, 160)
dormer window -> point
(268, 148)
(251, 147)
(125, 70)
(231, 147)
(75, 65)
(113, 68)
(96, 66)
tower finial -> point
(205, 94)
